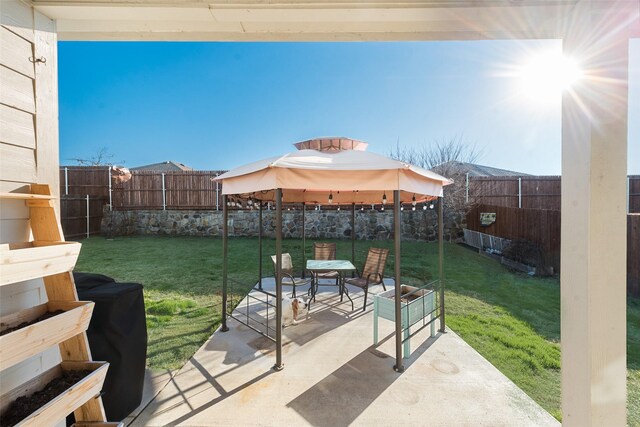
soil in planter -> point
(24, 406)
(45, 316)
(407, 297)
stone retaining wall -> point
(370, 225)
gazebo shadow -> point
(339, 398)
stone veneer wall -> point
(370, 225)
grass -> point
(513, 320)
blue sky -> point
(219, 105)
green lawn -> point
(513, 320)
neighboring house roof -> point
(168, 166)
(476, 170)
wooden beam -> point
(593, 224)
(299, 20)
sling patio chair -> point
(372, 272)
(324, 251)
(288, 278)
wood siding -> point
(28, 150)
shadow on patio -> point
(333, 376)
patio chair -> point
(287, 273)
(325, 251)
(372, 272)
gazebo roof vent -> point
(332, 144)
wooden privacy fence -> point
(633, 254)
(83, 180)
(81, 216)
(169, 190)
(542, 227)
(533, 192)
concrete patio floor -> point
(333, 376)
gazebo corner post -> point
(304, 242)
(398, 367)
(278, 366)
(225, 262)
(441, 259)
(260, 245)
(353, 236)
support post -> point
(66, 181)
(110, 190)
(164, 195)
(353, 236)
(398, 367)
(519, 192)
(304, 242)
(441, 260)
(225, 261)
(278, 366)
(88, 216)
(260, 245)
(593, 223)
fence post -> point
(467, 190)
(66, 181)
(87, 216)
(110, 199)
(164, 195)
(217, 193)
(519, 192)
(628, 194)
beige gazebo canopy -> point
(349, 176)
(330, 171)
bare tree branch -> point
(444, 158)
(102, 158)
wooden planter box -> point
(25, 261)
(66, 402)
(96, 424)
(33, 339)
(415, 304)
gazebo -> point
(332, 171)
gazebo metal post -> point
(398, 367)
(353, 236)
(278, 366)
(260, 245)
(304, 244)
(225, 262)
(441, 259)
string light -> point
(384, 198)
(413, 201)
(330, 197)
(401, 207)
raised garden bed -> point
(52, 395)
(37, 328)
(25, 261)
(415, 303)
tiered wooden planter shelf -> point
(26, 261)
(52, 259)
(23, 343)
(67, 401)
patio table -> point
(324, 266)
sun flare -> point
(545, 76)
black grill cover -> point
(117, 334)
